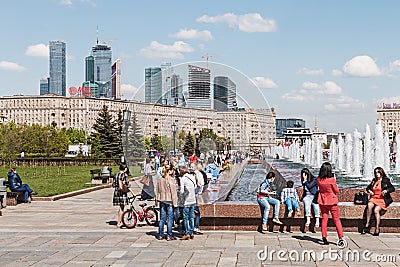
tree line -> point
(108, 139)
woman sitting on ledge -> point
(379, 189)
(265, 199)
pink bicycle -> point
(131, 215)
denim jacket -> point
(14, 180)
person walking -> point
(310, 190)
(328, 201)
(379, 189)
(167, 197)
(120, 198)
(265, 199)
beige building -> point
(243, 128)
(389, 115)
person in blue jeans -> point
(167, 196)
(290, 197)
(310, 192)
(265, 199)
(188, 184)
(16, 185)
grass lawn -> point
(55, 180)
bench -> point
(98, 177)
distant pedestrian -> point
(148, 190)
(328, 201)
(188, 184)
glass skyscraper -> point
(153, 85)
(44, 86)
(102, 55)
(224, 93)
(58, 71)
(199, 87)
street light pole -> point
(173, 133)
(127, 120)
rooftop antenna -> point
(97, 34)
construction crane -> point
(206, 57)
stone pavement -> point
(81, 231)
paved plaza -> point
(81, 231)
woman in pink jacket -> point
(328, 201)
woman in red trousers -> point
(328, 201)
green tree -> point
(75, 136)
(188, 147)
(156, 143)
(136, 147)
(105, 138)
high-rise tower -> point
(44, 86)
(116, 79)
(153, 85)
(102, 55)
(199, 87)
(224, 93)
(58, 71)
(89, 69)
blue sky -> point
(329, 61)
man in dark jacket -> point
(16, 185)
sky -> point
(327, 62)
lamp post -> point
(173, 133)
(127, 120)
(196, 148)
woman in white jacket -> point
(188, 184)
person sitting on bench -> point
(16, 185)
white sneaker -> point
(277, 221)
(298, 213)
(290, 213)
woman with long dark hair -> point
(328, 201)
(310, 189)
(379, 189)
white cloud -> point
(394, 66)
(310, 85)
(250, 22)
(361, 66)
(11, 66)
(311, 72)
(295, 97)
(263, 82)
(66, 2)
(345, 104)
(174, 51)
(332, 88)
(337, 72)
(38, 50)
(193, 34)
(128, 91)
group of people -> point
(321, 194)
(174, 191)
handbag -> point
(361, 198)
(145, 180)
(315, 199)
(123, 187)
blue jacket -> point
(312, 187)
(212, 168)
(14, 180)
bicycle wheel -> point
(129, 219)
(151, 216)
